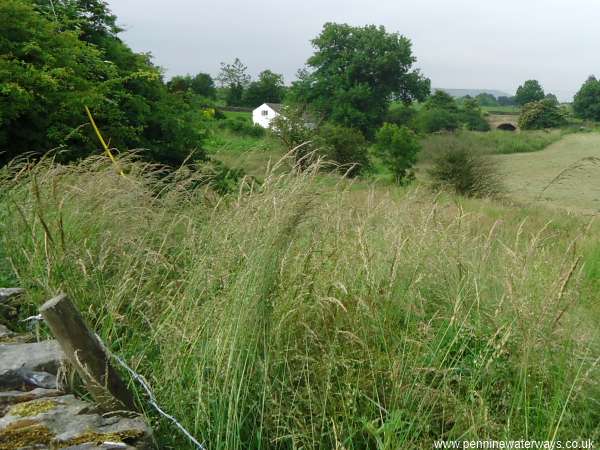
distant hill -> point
(472, 92)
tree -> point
(50, 70)
(401, 114)
(486, 99)
(201, 84)
(530, 91)
(269, 88)
(291, 128)
(471, 116)
(541, 114)
(551, 98)
(354, 74)
(503, 100)
(234, 78)
(436, 119)
(586, 103)
(91, 18)
(441, 100)
(398, 148)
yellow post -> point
(101, 139)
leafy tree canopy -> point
(269, 88)
(486, 99)
(201, 84)
(586, 103)
(354, 74)
(441, 100)
(506, 101)
(541, 114)
(54, 61)
(551, 98)
(530, 91)
(234, 77)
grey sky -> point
(459, 44)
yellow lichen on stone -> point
(99, 438)
(24, 434)
(32, 408)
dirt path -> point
(566, 174)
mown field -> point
(313, 312)
(565, 174)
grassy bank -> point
(490, 143)
(311, 315)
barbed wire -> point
(151, 398)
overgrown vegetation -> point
(541, 114)
(466, 172)
(56, 59)
(307, 316)
(493, 142)
(398, 147)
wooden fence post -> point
(87, 354)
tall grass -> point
(489, 143)
(298, 316)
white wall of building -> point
(263, 115)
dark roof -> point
(275, 107)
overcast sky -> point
(468, 44)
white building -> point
(265, 113)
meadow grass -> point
(312, 314)
(238, 114)
(490, 142)
(251, 154)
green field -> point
(501, 109)
(565, 174)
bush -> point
(345, 146)
(436, 119)
(540, 115)
(398, 147)
(242, 126)
(466, 173)
(294, 133)
(220, 177)
(474, 121)
(401, 115)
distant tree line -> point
(357, 91)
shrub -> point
(436, 119)
(398, 147)
(540, 115)
(220, 177)
(295, 134)
(466, 173)
(242, 126)
(474, 121)
(345, 146)
(401, 115)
